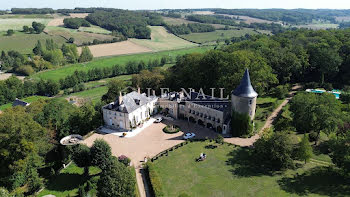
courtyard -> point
(151, 140)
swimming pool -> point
(336, 93)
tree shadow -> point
(318, 180)
(244, 164)
(65, 181)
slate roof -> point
(245, 89)
(208, 101)
(18, 102)
(131, 102)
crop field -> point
(24, 43)
(218, 34)
(317, 26)
(62, 72)
(31, 16)
(180, 21)
(162, 40)
(18, 23)
(79, 37)
(118, 48)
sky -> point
(176, 4)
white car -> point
(158, 120)
(189, 136)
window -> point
(250, 102)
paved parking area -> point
(150, 141)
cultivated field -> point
(317, 26)
(111, 61)
(118, 48)
(163, 40)
(218, 34)
(58, 21)
(18, 23)
(246, 19)
(79, 37)
(24, 43)
(180, 21)
(227, 172)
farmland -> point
(162, 40)
(24, 43)
(18, 23)
(218, 34)
(111, 61)
(118, 48)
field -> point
(162, 40)
(27, 99)
(24, 43)
(79, 37)
(111, 61)
(180, 21)
(18, 23)
(68, 181)
(218, 34)
(226, 172)
(317, 26)
(118, 48)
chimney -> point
(138, 90)
(120, 99)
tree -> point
(82, 157)
(115, 86)
(71, 40)
(305, 149)
(316, 113)
(101, 154)
(340, 152)
(38, 27)
(116, 181)
(4, 192)
(25, 28)
(274, 151)
(85, 55)
(38, 49)
(10, 32)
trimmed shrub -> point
(154, 180)
(124, 159)
(171, 129)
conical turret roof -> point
(245, 89)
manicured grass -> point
(27, 99)
(68, 181)
(162, 40)
(18, 23)
(111, 61)
(218, 34)
(223, 173)
(264, 107)
(24, 43)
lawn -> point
(27, 99)
(24, 43)
(264, 107)
(223, 173)
(62, 72)
(162, 40)
(218, 34)
(68, 181)
(18, 23)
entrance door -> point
(110, 122)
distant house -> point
(18, 102)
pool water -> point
(335, 92)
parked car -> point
(158, 120)
(189, 136)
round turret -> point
(244, 97)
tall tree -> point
(85, 55)
(305, 149)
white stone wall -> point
(244, 105)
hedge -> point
(156, 186)
(167, 129)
